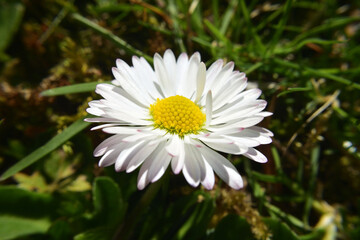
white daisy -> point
(179, 114)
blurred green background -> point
(304, 55)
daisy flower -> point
(179, 113)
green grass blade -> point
(75, 88)
(277, 161)
(174, 13)
(228, 15)
(253, 34)
(315, 154)
(215, 31)
(215, 11)
(110, 36)
(54, 143)
(253, 67)
(298, 46)
(280, 27)
(287, 217)
(328, 25)
(291, 90)
(316, 72)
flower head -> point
(179, 114)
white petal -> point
(188, 85)
(208, 110)
(264, 114)
(222, 144)
(255, 155)
(174, 145)
(108, 159)
(106, 144)
(140, 157)
(227, 94)
(200, 84)
(191, 169)
(103, 126)
(170, 65)
(181, 71)
(95, 111)
(143, 180)
(207, 176)
(240, 111)
(117, 121)
(110, 156)
(134, 82)
(159, 166)
(124, 130)
(222, 167)
(162, 76)
(126, 155)
(212, 73)
(177, 163)
(130, 87)
(222, 78)
(148, 76)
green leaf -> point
(80, 184)
(108, 202)
(54, 143)
(326, 26)
(122, 44)
(17, 201)
(11, 13)
(33, 182)
(101, 233)
(59, 230)
(291, 90)
(75, 88)
(13, 227)
(280, 231)
(215, 31)
(199, 216)
(233, 227)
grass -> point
(304, 55)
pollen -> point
(177, 115)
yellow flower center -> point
(177, 115)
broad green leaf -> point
(71, 89)
(13, 227)
(54, 143)
(20, 202)
(108, 202)
(11, 13)
(233, 227)
(279, 230)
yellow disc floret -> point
(177, 115)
